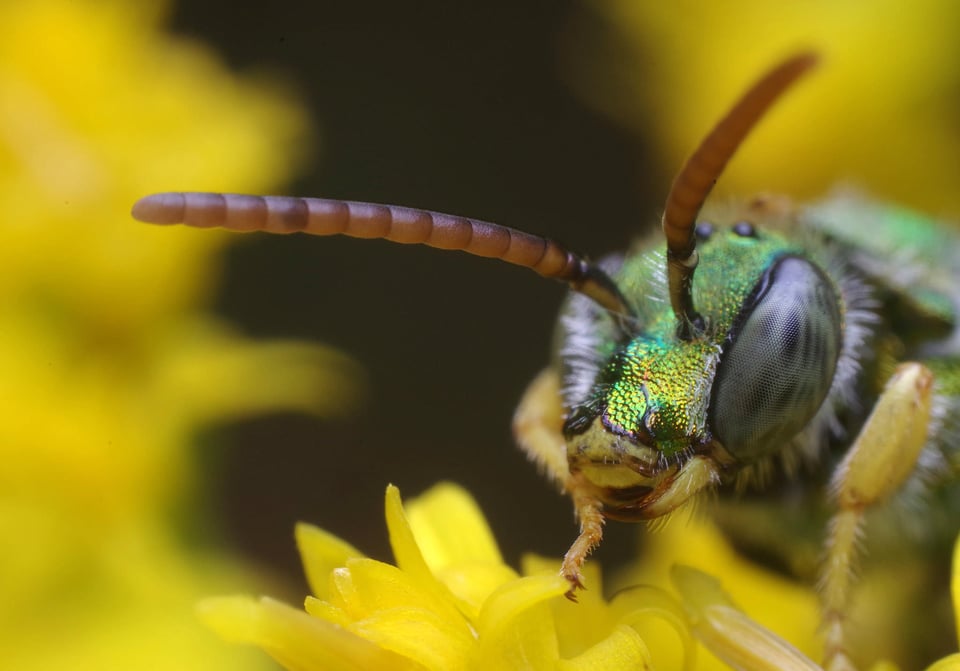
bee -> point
(765, 344)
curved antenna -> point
(698, 175)
(318, 216)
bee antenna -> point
(317, 216)
(698, 175)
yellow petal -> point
(516, 626)
(215, 375)
(950, 663)
(435, 642)
(321, 552)
(622, 649)
(690, 539)
(326, 611)
(582, 624)
(407, 553)
(295, 639)
(385, 605)
(729, 633)
(366, 586)
(472, 584)
(955, 586)
(456, 543)
(652, 612)
(450, 528)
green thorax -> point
(911, 257)
(656, 387)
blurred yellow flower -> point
(110, 364)
(952, 662)
(880, 112)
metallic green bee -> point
(766, 345)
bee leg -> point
(879, 461)
(727, 631)
(589, 511)
(538, 428)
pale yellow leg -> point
(538, 426)
(880, 460)
(726, 630)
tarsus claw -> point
(575, 584)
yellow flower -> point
(952, 662)
(885, 124)
(111, 362)
(449, 603)
(773, 601)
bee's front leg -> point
(589, 511)
(881, 458)
(538, 428)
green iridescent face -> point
(738, 391)
(657, 394)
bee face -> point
(757, 373)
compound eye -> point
(779, 360)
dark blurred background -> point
(457, 107)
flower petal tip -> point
(233, 618)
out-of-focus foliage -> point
(880, 113)
(109, 363)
